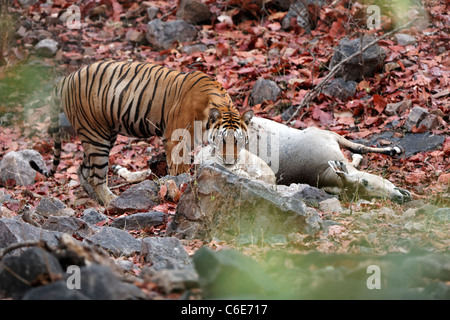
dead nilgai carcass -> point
(314, 156)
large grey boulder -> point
(223, 205)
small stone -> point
(416, 115)
(116, 241)
(404, 39)
(140, 220)
(264, 89)
(50, 206)
(92, 216)
(152, 12)
(431, 122)
(176, 280)
(15, 165)
(47, 47)
(138, 197)
(164, 35)
(398, 107)
(330, 205)
(341, 89)
(165, 253)
(199, 47)
(193, 11)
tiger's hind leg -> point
(93, 172)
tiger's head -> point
(228, 133)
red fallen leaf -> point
(421, 129)
(223, 49)
(162, 192)
(444, 179)
(246, 70)
(336, 29)
(415, 178)
(379, 103)
(13, 206)
(276, 26)
(371, 120)
(446, 146)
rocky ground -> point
(182, 237)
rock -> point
(193, 11)
(248, 166)
(165, 253)
(152, 13)
(199, 47)
(140, 220)
(15, 165)
(287, 114)
(413, 226)
(299, 11)
(341, 89)
(391, 66)
(96, 282)
(70, 225)
(230, 274)
(50, 206)
(164, 35)
(415, 116)
(398, 107)
(34, 266)
(221, 204)
(115, 241)
(92, 216)
(360, 66)
(442, 214)
(175, 280)
(330, 205)
(421, 117)
(46, 48)
(14, 230)
(404, 39)
(139, 197)
(27, 3)
(431, 122)
(264, 89)
(312, 196)
(54, 291)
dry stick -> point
(318, 88)
(19, 245)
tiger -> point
(139, 99)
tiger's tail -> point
(54, 129)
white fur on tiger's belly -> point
(248, 165)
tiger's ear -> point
(214, 115)
(247, 116)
